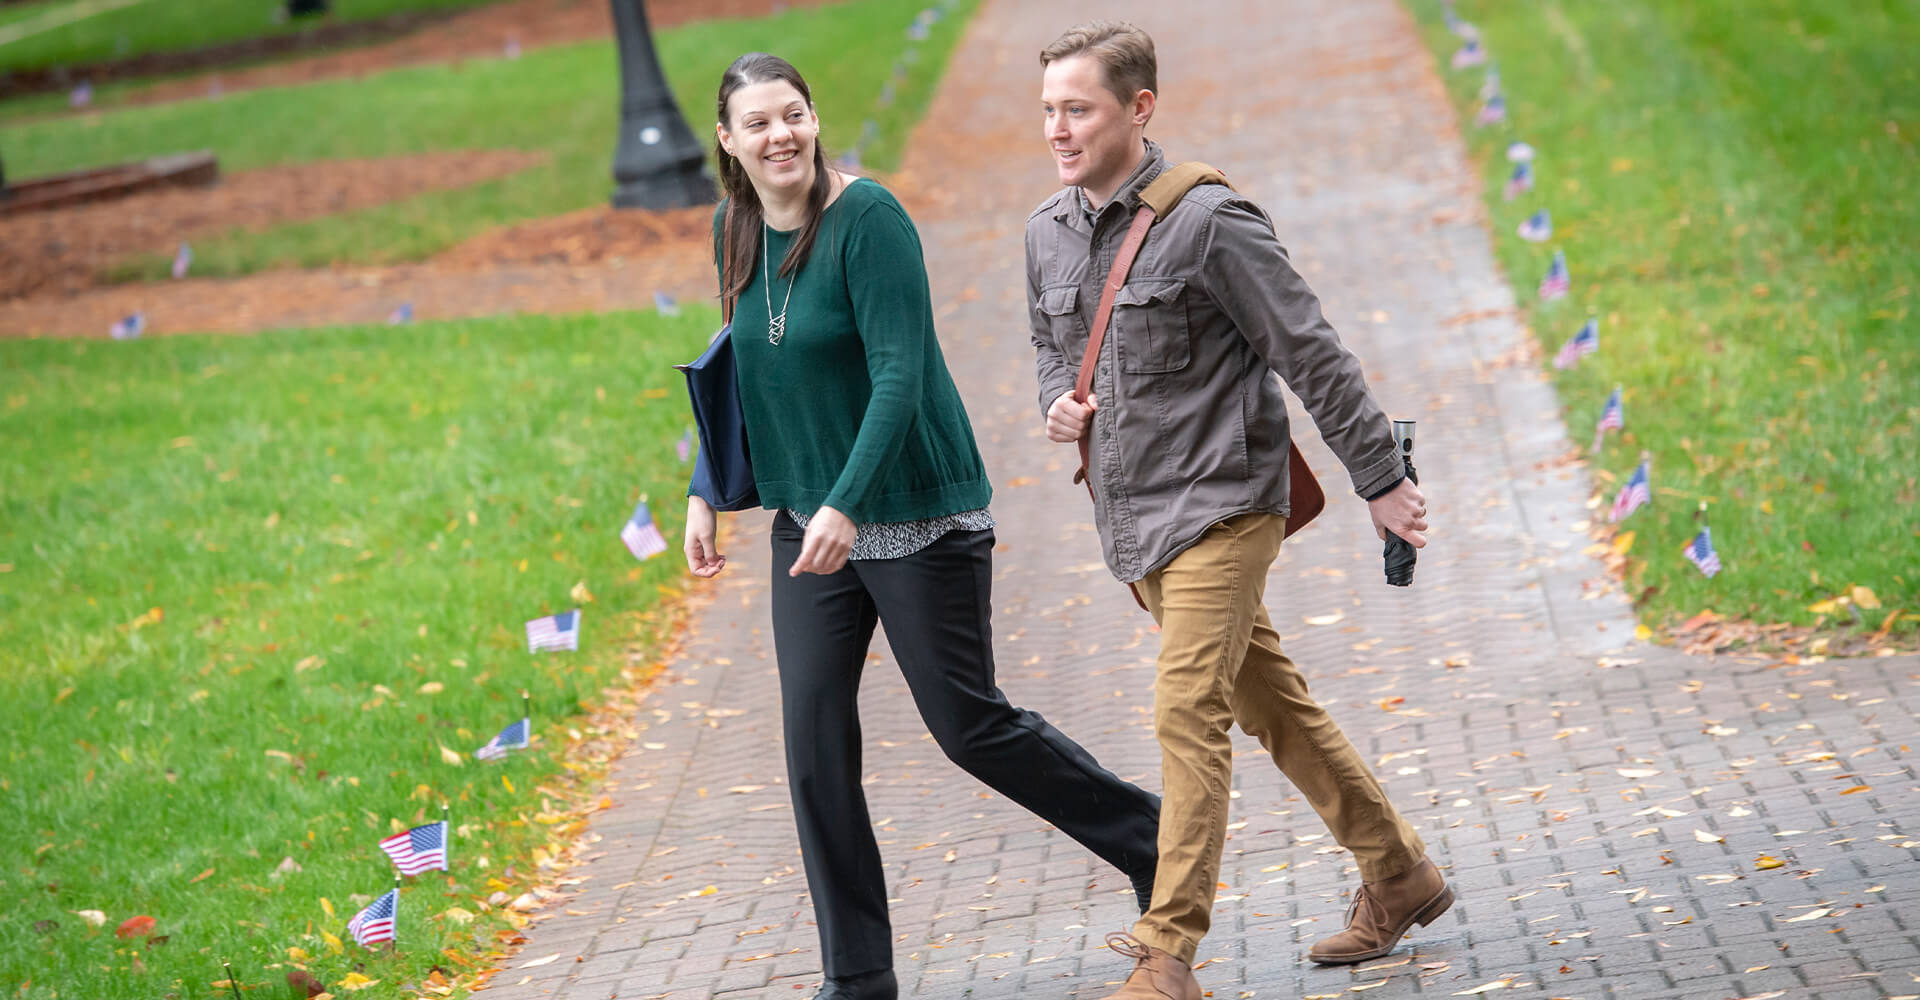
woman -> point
(860, 442)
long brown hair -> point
(745, 215)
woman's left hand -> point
(829, 538)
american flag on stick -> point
(514, 737)
(1700, 553)
(1584, 342)
(561, 631)
(375, 923)
(423, 848)
(642, 536)
(1637, 493)
(1614, 417)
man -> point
(1189, 455)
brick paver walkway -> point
(1604, 806)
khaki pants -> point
(1220, 663)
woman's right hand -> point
(703, 557)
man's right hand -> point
(1067, 420)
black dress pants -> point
(937, 606)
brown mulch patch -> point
(589, 236)
(62, 252)
(482, 33)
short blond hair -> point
(1124, 52)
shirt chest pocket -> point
(1150, 326)
(1060, 305)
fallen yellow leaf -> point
(432, 687)
(1707, 838)
(1809, 915)
(1622, 543)
(1642, 633)
(1337, 616)
(92, 917)
(327, 905)
(1865, 598)
(333, 943)
(355, 981)
(536, 963)
(448, 756)
(458, 915)
(580, 593)
(505, 781)
(1767, 862)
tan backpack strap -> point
(1174, 183)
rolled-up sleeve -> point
(1248, 274)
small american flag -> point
(420, 849)
(513, 737)
(81, 96)
(402, 314)
(664, 304)
(1491, 85)
(182, 259)
(1519, 152)
(1470, 54)
(1459, 26)
(1581, 344)
(1495, 110)
(642, 536)
(561, 631)
(1522, 180)
(1537, 228)
(1556, 282)
(1614, 416)
(1636, 494)
(512, 48)
(128, 328)
(684, 446)
(1700, 552)
(375, 923)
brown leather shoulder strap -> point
(1157, 200)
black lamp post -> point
(657, 164)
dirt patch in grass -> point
(482, 33)
(63, 252)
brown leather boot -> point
(1157, 975)
(1383, 912)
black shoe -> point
(1143, 892)
(876, 985)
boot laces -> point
(1375, 908)
(1122, 943)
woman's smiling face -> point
(772, 131)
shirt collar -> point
(1075, 205)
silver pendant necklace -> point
(776, 325)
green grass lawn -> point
(562, 99)
(174, 25)
(334, 539)
(1732, 182)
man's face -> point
(1094, 137)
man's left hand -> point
(1402, 511)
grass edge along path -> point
(1724, 184)
(312, 679)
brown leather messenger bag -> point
(1159, 198)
